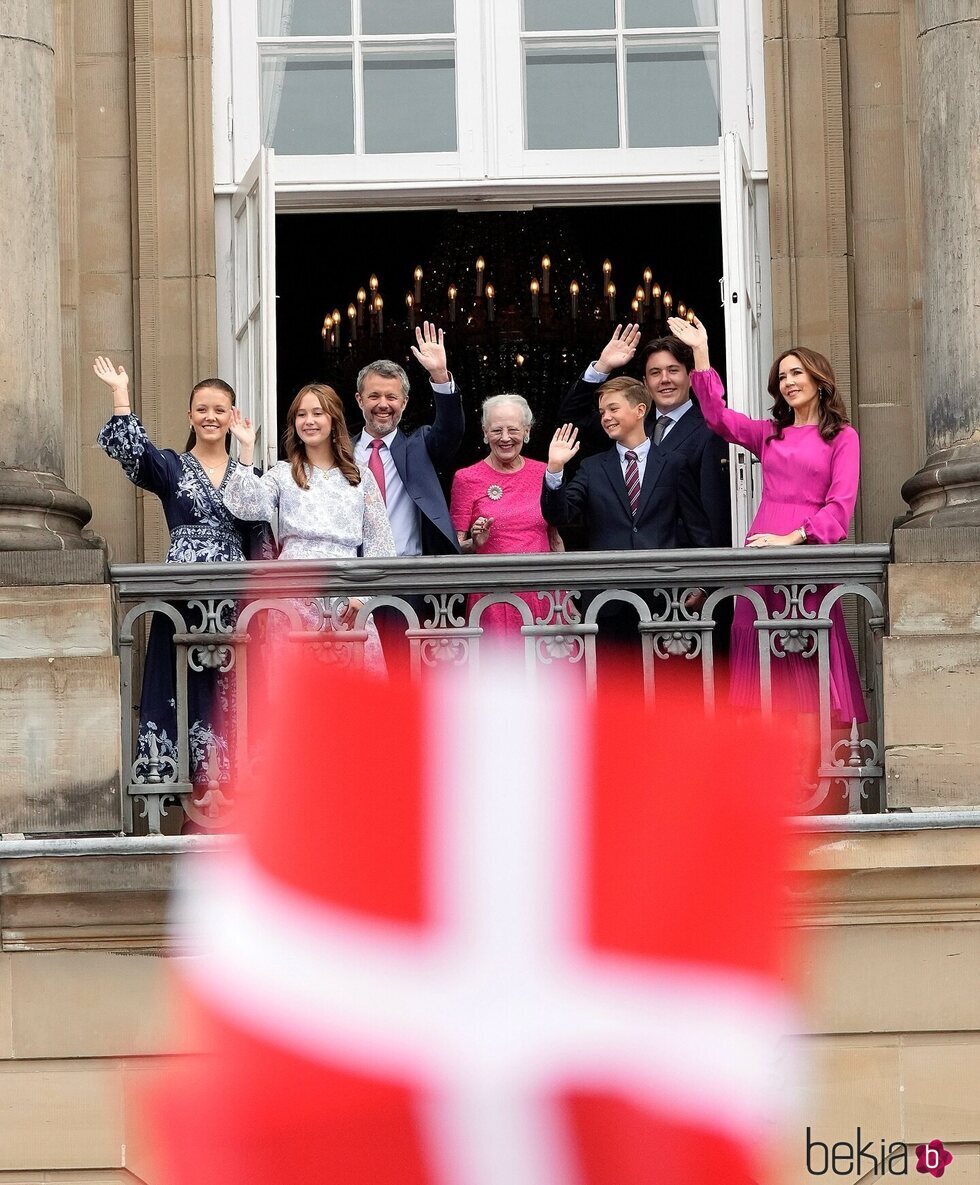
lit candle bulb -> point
(379, 306)
(352, 322)
(418, 285)
(682, 310)
(546, 274)
(410, 305)
(606, 274)
(373, 283)
(655, 296)
(640, 297)
(452, 303)
(335, 319)
(491, 302)
(635, 306)
(480, 267)
(647, 281)
(668, 304)
(574, 290)
(361, 299)
(611, 297)
(690, 316)
(535, 300)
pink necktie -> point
(376, 465)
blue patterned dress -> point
(202, 530)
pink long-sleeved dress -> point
(807, 482)
(518, 527)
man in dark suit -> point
(404, 465)
(631, 496)
(674, 421)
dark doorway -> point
(533, 344)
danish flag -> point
(487, 932)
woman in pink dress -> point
(810, 459)
(496, 503)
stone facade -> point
(120, 155)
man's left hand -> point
(431, 352)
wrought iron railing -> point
(217, 609)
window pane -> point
(410, 102)
(304, 18)
(308, 104)
(661, 14)
(558, 78)
(407, 16)
(569, 14)
(672, 96)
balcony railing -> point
(217, 611)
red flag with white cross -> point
(487, 932)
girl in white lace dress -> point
(328, 507)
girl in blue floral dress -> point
(202, 529)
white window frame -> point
(479, 179)
(238, 105)
(490, 152)
(519, 161)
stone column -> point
(931, 655)
(37, 510)
(946, 490)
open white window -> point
(253, 260)
(742, 297)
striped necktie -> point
(632, 480)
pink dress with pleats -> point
(807, 482)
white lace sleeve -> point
(378, 539)
(250, 497)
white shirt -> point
(554, 480)
(403, 514)
(642, 452)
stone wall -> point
(137, 232)
(890, 923)
(845, 216)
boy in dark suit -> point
(631, 496)
(673, 420)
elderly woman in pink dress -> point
(496, 504)
(810, 460)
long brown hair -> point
(343, 451)
(214, 385)
(831, 412)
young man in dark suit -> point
(674, 421)
(631, 496)
(404, 464)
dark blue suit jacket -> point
(596, 495)
(705, 455)
(416, 456)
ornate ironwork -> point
(675, 597)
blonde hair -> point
(632, 390)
